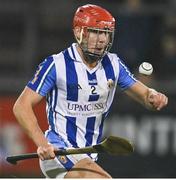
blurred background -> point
(145, 31)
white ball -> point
(146, 68)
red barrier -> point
(13, 140)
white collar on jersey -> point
(73, 52)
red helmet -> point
(93, 16)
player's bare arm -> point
(148, 97)
(23, 111)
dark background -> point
(31, 30)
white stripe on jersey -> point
(112, 91)
(131, 75)
(61, 79)
(44, 76)
(81, 131)
(60, 126)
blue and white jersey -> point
(79, 98)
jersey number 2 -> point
(93, 90)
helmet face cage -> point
(84, 44)
(93, 20)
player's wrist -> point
(41, 141)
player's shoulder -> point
(46, 62)
(53, 58)
(116, 58)
(113, 57)
(57, 56)
(56, 59)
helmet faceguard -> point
(92, 19)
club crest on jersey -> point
(110, 83)
(63, 159)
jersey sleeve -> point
(126, 78)
(44, 78)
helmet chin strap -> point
(79, 40)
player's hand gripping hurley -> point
(111, 145)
